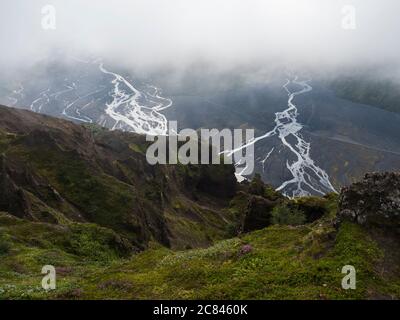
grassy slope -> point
(285, 263)
(95, 262)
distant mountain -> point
(381, 93)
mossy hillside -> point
(64, 174)
(81, 239)
(108, 182)
(57, 172)
(72, 249)
(280, 262)
(102, 198)
(281, 210)
(197, 223)
(277, 268)
(196, 232)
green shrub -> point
(232, 229)
(282, 214)
(97, 243)
(4, 246)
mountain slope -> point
(58, 172)
(84, 200)
(278, 262)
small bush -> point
(97, 243)
(282, 214)
(232, 229)
(4, 246)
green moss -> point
(96, 261)
(96, 243)
(102, 198)
(237, 208)
(137, 148)
(282, 214)
(5, 245)
(278, 266)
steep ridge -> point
(56, 171)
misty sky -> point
(152, 33)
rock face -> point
(259, 202)
(374, 201)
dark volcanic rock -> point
(257, 186)
(255, 202)
(374, 201)
(258, 214)
(313, 207)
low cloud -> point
(224, 33)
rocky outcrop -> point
(258, 214)
(312, 207)
(256, 201)
(374, 201)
